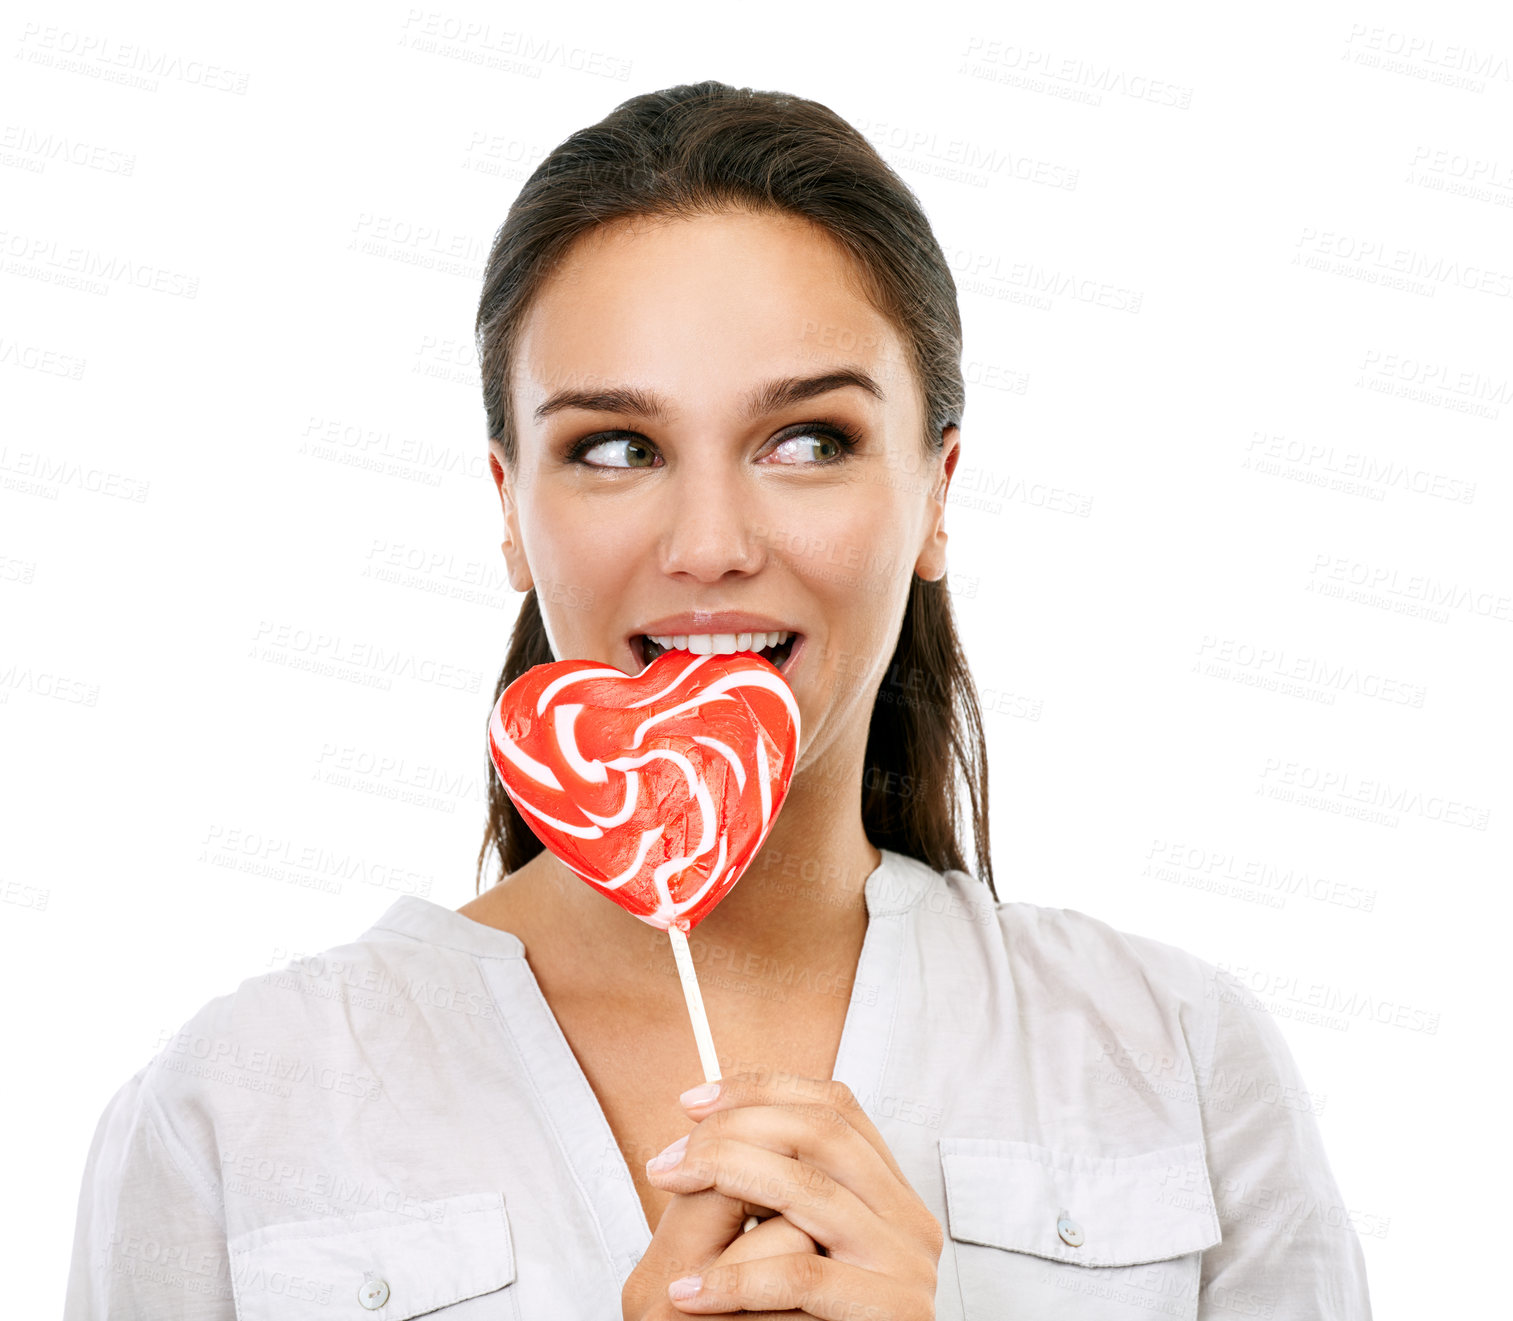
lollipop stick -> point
(700, 1019)
(696, 1013)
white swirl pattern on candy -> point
(595, 771)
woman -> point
(721, 362)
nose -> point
(711, 525)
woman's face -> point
(662, 472)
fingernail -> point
(668, 1156)
(685, 1288)
(703, 1094)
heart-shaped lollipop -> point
(657, 788)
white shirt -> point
(1105, 1125)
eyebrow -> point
(766, 398)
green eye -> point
(635, 451)
(820, 438)
(841, 437)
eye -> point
(840, 441)
(840, 437)
(635, 451)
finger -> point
(774, 1087)
(829, 1212)
(775, 1237)
(819, 1136)
(823, 1288)
(692, 1232)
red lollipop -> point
(657, 789)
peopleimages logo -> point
(1286, 990)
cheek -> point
(841, 554)
(564, 540)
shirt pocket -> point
(454, 1262)
(1054, 1233)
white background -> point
(1210, 450)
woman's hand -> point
(697, 1232)
(804, 1147)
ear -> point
(512, 546)
(931, 564)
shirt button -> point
(373, 1294)
(1070, 1231)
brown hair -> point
(707, 147)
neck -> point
(801, 902)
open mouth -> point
(646, 651)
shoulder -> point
(308, 1032)
(1063, 940)
(1063, 973)
(1063, 947)
(301, 1049)
(1137, 988)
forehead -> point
(700, 308)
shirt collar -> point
(893, 886)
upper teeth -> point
(719, 644)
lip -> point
(704, 621)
